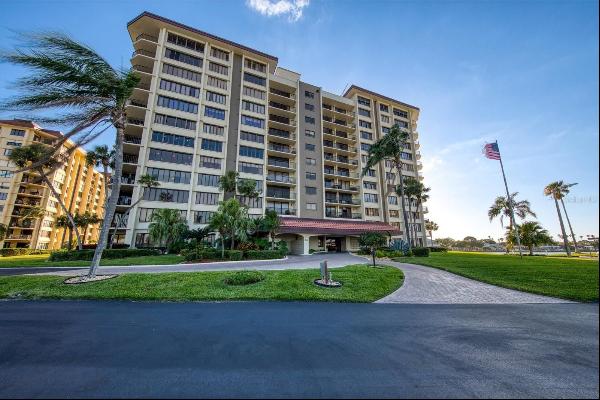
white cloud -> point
(292, 8)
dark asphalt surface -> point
(34, 270)
(127, 349)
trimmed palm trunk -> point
(569, 223)
(403, 204)
(562, 229)
(111, 204)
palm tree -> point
(147, 182)
(85, 220)
(501, 208)
(167, 226)
(531, 234)
(565, 188)
(555, 190)
(430, 227)
(41, 159)
(228, 184)
(101, 156)
(62, 222)
(413, 188)
(219, 222)
(3, 231)
(390, 148)
(270, 223)
(88, 93)
(247, 187)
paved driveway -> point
(273, 350)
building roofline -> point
(198, 31)
(379, 95)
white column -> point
(305, 245)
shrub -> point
(380, 254)
(262, 243)
(282, 246)
(421, 251)
(240, 278)
(438, 249)
(176, 247)
(235, 255)
(9, 252)
(408, 253)
(92, 246)
(87, 255)
(245, 246)
(264, 254)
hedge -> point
(264, 254)
(232, 255)
(87, 255)
(10, 252)
(421, 251)
(438, 249)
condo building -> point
(206, 105)
(81, 188)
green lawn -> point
(567, 278)
(360, 284)
(40, 260)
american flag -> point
(491, 151)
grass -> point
(566, 278)
(41, 260)
(361, 284)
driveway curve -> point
(426, 285)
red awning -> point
(331, 227)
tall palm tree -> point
(146, 181)
(41, 159)
(85, 220)
(389, 148)
(247, 187)
(430, 227)
(415, 189)
(219, 222)
(270, 223)
(167, 226)
(565, 189)
(85, 91)
(501, 208)
(62, 222)
(555, 190)
(101, 156)
(228, 184)
(531, 234)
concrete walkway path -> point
(426, 285)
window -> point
(251, 152)
(175, 122)
(7, 152)
(216, 97)
(400, 113)
(216, 82)
(372, 212)
(385, 130)
(210, 162)
(309, 120)
(14, 144)
(364, 102)
(363, 112)
(370, 185)
(185, 42)
(257, 94)
(181, 73)
(309, 107)
(311, 206)
(311, 190)
(250, 202)
(390, 176)
(179, 88)
(251, 121)
(370, 197)
(183, 57)
(309, 133)
(145, 214)
(168, 175)
(220, 54)
(257, 80)
(166, 195)
(401, 124)
(255, 65)
(310, 95)
(252, 137)
(212, 145)
(207, 198)
(176, 104)
(203, 217)
(365, 146)
(311, 176)
(309, 147)
(214, 113)
(170, 138)
(208, 180)
(406, 156)
(3, 195)
(364, 124)
(253, 107)
(393, 200)
(366, 135)
(250, 168)
(17, 132)
(218, 68)
(170, 156)
(394, 213)
(371, 172)
(213, 129)
(384, 108)
(311, 161)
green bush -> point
(438, 249)
(408, 253)
(235, 255)
(8, 252)
(262, 243)
(264, 254)
(380, 253)
(240, 278)
(176, 247)
(421, 251)
(87, 255)
(245, 246)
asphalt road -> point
(127, 349)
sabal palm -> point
(85, 220)
(62, 222)
(85, 91)
(430, 227)
(101, 156)
(219, 223)
(167, 226)
(42, 159)
(414, 189)
(247, 187)
(556, 191)
(501, 208)
(228, 183)
(531, 234)
(389, 148)
(270, 223)
(565, 189)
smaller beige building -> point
(81, 188)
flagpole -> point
(510, 205)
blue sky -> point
(524, 73)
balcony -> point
(27, 203)
(143, 53)
(340, 135)
(145, 36)
(38, 139)
(346, 215)
(343, 200)
(138, 103)
(340, 160)
(281, 149)
(136, 122)
(24, 192)
(282, 120)
(280, 195)
(343, 187)
(281, 179)
(344, 174)
(128, 179)
(144, 69)
(289, 211)
(18, 237)
(130, 159)
(281, 135)
(124, 201)
(281, 164)
(133, 139)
